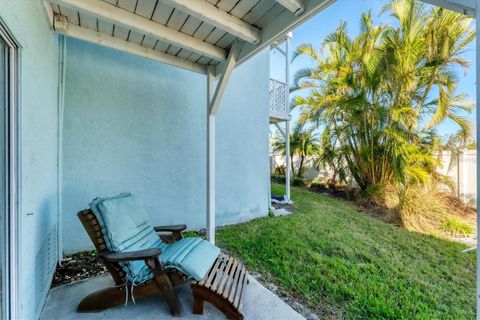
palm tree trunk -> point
(300, 167)
(291, 164)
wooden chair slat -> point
(233, 290)
(238, 297)
(219, 275)
(226, 276)
(228, 284)
(213, 272)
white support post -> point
(214, 96)
(287, 161)
(287, 125)
(210, 158)
(270, 166)
(477, 69)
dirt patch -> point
(288, 207)
(79, 266)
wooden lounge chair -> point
(222, 286)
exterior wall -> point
(242, 128)
(131, 124)
(27, 20)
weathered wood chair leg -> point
(197, 305)
(218, 301)
(166, 288)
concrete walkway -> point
(259, 303)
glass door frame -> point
(11, 169)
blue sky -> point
(317, 28)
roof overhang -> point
(193, 35)
(466, 7)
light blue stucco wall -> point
(242, 126)
(131, 124)
(27, 20)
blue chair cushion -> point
(125, 226)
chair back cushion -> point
(126, 227)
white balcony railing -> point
(278, 100)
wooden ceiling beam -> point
(62, 26)
(130, 20)
(207, 12)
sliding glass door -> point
(8, 169)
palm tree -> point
(303, 143)
(375, 97)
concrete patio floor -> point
(259, 303)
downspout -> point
(287, 124)
(62, 58)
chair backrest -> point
(92, 226)
(126, 227)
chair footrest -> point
(223, 286)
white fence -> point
(462, 169)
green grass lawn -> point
(344, 264)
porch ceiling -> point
(189, 34)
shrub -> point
(298, 182)
(278, 179)
(432, 211)
(455, 227)
(318, 185)
(381, 195)
(420, 210)
(353, 194)
(270, 213)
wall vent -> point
(45, 262)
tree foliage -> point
(303, 143)
(379, 97)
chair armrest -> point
(172, 228)
(130, 256)
(175, 232)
